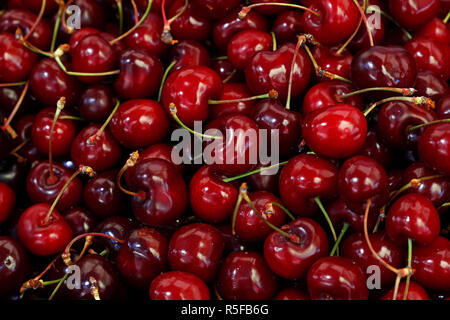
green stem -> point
(56, 28)
(120, 10)
(339, 239)
(71, 118)
(288, 213)
(415, 100)
(363, 16)
(387, 16)
(61, 281)
(274, 41)
(84, 74)
(13, 84)
(234, 216)
(426, 124)
(163, 80)
(219, 58)
(403, 91)
(405, 294)
(97, 135)
(330, 224)
(272, 94)
(447, 17)
(253, 172)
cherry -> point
(189, 53)
(189, 89)
(340, 214)
(139, 123)
(142, 257)
(165, 192)
(156, 5)
(413, 15)
(178, 285)
(80, 221)
(101, 155)
(336, 132)
(96, 102)
(7, 201)
(435, 29)
(233, 91)
(356, 248)
(245, 44)
(16, 61)
(160, 151)
(270, 70)
(287, 26)
(245, 276)
(264, 182)
(335, 21)
(197, 249)
(268, 9)
(42, 237)
(13, 173)
(291, 294)
(211, 199)
(336, 278)
(443, 107)
(415, 292)
(117, 227)
(432, 264)
(431, 85)
(14, 265)
(215, 9)
(434, 147)
(413, 216)
(329, 59)
(375, 149)
(292, 260)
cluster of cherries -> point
(358, 89)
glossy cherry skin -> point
(304, 177)
(326, 94)
(197, 249)
(142, 257)
(432, 264)
(166, 192)
(375, 149)
(63, 132)
(245, 276)
(415, 292)
(262, 181)
(160, 151)
(434, 147)
(249, 227)
(7, 201)
(443, 107)
(245, 44)
(355, 247)
(335, 132)
(178, 285)
(139, 123)
(292, 260)
(189, 53)
(102, 196)
(329, 60)
(40, 189)
(140, 75)
(394, 119)
(14, 265)
(287, 26)
(224, 29)
(413, 14)
(102, 155)
(270, 70)
(232, 91)
(16, 61)
(215, 9)
(384, 66)
(336, 278)
(413, 216)
(435, 29)
(40, 237)
(96, 102)
(118, 227)
(269, 114)
(80, 220)
(189, 89)
(431, 85)
(211, 199)
(291, 294)
(336, 22)
(340, 213)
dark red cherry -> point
(96, 102)
(431, 85)
(413, 14)
(245, 276)
(233, 91)
(102, 154)
(292, 260)
(215, 9)
(384, 66)
(415, 292)
(432, 264)
(287, 26)
(328, 59)
(375, 149)
(413, 216)
(197, 249)
(291, 294)
(189, 89)
(340, 213)
(336, 278)
(435, 29)
(42, 237)
(165, 192)
(262, 181)
(156, 5)
(14, 265)
(355, 247)
(142, 257)
(35, 6)
(211, 199)
(189, 53)
(140, 75)
(335, 132)
(178, 285)
(16, 61)
(7, 201)
(326, 94)
(80, 220)
(118, 227)
(443, 107)
(245, 44)
(434, 147)
(336, 21)
(139, 123)
(270, 70)
(304, 177)
(160, 151)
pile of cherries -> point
(359, 206)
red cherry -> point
(375, 149)
(415, 292)
(16, 61)
(340, 213)
(435, 29)
(7, 201)
(268, 9)
(215, 9)
(443, 107)
(96, 102)
(287, 26)
(233, 91)
(178, 285)
(245, 44)
(14, 265)
(431, 85)
(434, 147)
(118, 227)
(292, 294)
(160, 151)
(330, 60)
(413, 15)
(189, 53)
(35, 6)
(80, 221)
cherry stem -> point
(274, 41)
(68, 29)
(30, 283)
(347, 42)
(59, 107)
(229, 76)
(415, 100)
(8, 121)
(163, 80)
(66, 117)
(426, 124)
(327, 217)
(134, 157)
(20, 146)
(83, 74)
(166, 35)
(447, 204)
(414, 183)
(135, 11)
(81, 169)
(272, 94)
(120, 12)
(236, 208)
(363, 16)
(173, 111)
(403, 91)
(12, 84)
(61, 281)
(57, 24)
(95, 292)
(301, 40)
(95, 137)
(387, 16)
(219, 58)
(245, 10)
(30, 46)
(339, 239)
(447, 17)
(286, 211)
(243, 175)
(126, 34)
(38, 19)
(408, 278)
